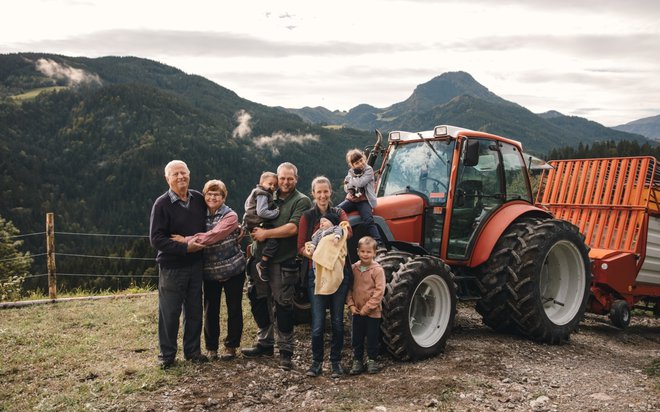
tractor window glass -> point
(422, 166)
(517, 186)
(478, 193)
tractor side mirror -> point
(471, 153)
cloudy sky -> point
(598, 59)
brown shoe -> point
(228, 353)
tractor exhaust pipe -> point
(373, 153)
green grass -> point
(79, 292)
(653, 370)
(36, 92)
(81, 355)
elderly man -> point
(274, 298)
(178, 211)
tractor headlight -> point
(440, 131)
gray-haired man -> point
(178, 211)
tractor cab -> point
(459, 177)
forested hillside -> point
(609, 148)
(93, 152)
(648, 126)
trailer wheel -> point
(495, 274)
(620, 314)
(549, 295)
(419, 309)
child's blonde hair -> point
(267, 175)
(368, 241)
(354, 155)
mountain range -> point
(456, 98)
(648, 126)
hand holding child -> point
(309, 249)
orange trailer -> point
(615, 203)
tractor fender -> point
(497, 224)
(386, 233)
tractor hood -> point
(399, 206)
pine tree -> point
(14, 264)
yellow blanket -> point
(329, 258)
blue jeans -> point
(365, 328)
(366, 214)
(319, 304)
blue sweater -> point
(168, 218)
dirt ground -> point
(601, 369)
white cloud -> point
(74, 76)
(272, 142)
(278, 139)
(243, 129)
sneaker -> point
(166, 363)
(285, 360)
(372, 367)
(228, 353)
(257, 350)
(212, 354)
(358, 367)
(315, 370)
(262, 271)
(337, 370)
(198, 358)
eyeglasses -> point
(213, 194)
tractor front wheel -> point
(419, 308)
(549, 295)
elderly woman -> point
(224, 269)
(309, 223)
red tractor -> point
(457, 214)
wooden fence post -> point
(50, 253)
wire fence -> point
(71, 254)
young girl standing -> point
(360, 191)
(364, 301)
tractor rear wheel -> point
(550, 292)
(494, 275)
(391, 262)
(419, 309)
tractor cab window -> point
(479, 190)
(421, 166)
(517, 184)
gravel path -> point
(601, 369)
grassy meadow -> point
(85, 355)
